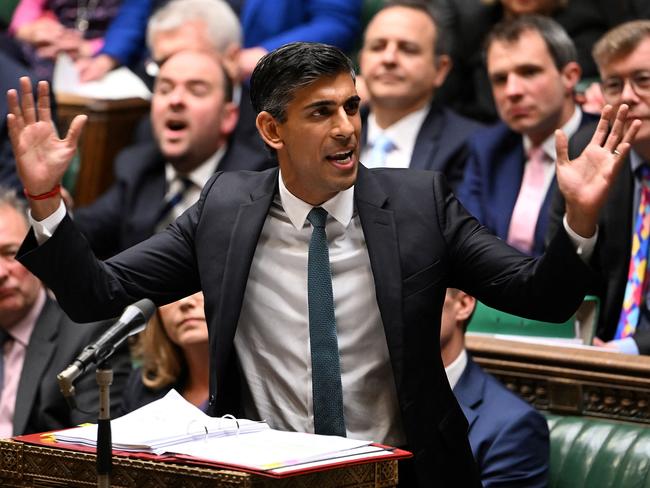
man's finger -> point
(74, 132)
(14, 109)
(43, 102)
(600, 134)
(561, 147)
(616, 134)
(27, 100)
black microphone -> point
(133, 320)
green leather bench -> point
(598, 453)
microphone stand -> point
(104, 376)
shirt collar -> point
(403, 132)
(569, 128)
(341, 206)
(21, 331)
(202, 173)
(455, 369)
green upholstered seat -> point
(595, 453)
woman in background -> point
(174, 353)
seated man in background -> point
(620, 257)
(193, 117)
(403, 61)
(38, 341)
(508, 437)
(510, 175)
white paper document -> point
(118, 84)
(173, 425)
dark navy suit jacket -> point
(509, 438)
(493, 176)
(127, 212)
(420, 241)
(441, 143)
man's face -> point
(531, 95)
(397, 60)
(318, 144)
(18, 287)
(635, 65)
(189, 116)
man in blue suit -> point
(508, 437)
(510, 177)
(403, 62)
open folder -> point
(172, 426)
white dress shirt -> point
(402, 134)
(272, 338)
(455, 369)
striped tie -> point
(176, 193)
(634, 290)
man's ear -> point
(231, 63)
(268, 127)
(443, 67)
(230, 118)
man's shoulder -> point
(494, 138)
(138, 158)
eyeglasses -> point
(639, 82)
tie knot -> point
(537, 154)
(383, 143)
(317, 217)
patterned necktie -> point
(380, 149)
(175, 195)
(638, 262)
(521, 232)
(325, 364)
(4, 337)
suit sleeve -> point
(519, 455)
(335, 22)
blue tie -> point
(165, 213)
(380, 149)
(325, 366)
(4, 337)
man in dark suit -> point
(509, 438)
(403, 61)
(38, 341)
(397, 238)
(509, 178)
(193, 118)
(623, 58)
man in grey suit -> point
(38, 341)
(403, 61)
(257, 244)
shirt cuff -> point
(584, 245)
(44, 229)
(626, 346)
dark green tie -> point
(325, 365)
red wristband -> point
(44, 196)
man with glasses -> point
(623, 58)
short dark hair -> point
(440, 45)
(281, 72)
(559, 44)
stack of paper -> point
(172, 425)
(161, 424)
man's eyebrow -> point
(325, 103)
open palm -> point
(41, 156)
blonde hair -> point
(162, 360)
(620, 41)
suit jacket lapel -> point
(469, 391)
(379, 229)
(244, 237)
(41, 347)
